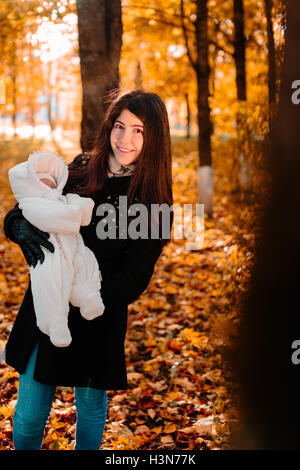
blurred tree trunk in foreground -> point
(100, 39)
(269, 378)
(271, 61)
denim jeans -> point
(34, 406)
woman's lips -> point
(124, 151)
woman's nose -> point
(125, 137)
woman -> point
(131, 157)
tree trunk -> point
(188, 116)
(30, 90)
(50, 113)
(271, 53)
(272, 63)
(13, 76)
(14, 99)
(2, 91)
(241, 170)
(268, 351)
(203, 72)
(100, 39)
(205, 172)
(138, 76)
(239, 49)
(49, 92)
(32, 115)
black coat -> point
(95, 357)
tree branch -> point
(168, 23)
(220, 48)
(193, 63)
(158, 10)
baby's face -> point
(48, 182)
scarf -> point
(120, 170)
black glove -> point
(29, 238)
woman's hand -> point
(29, 238)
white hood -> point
(24, 180)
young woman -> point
(131, 157)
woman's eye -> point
(119, 126)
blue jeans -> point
(34, 406)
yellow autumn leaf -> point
(6, 411)
(157, 430)
(169, 428)
(194, 337)
(170, 289)
(176, 278)
(172, 396)
(150, 341)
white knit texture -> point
(71, 273)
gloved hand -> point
(29, 237)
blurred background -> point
(215, 64)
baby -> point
(71, 273)
(47, 179)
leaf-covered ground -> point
(180, 332)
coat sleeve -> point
(125, 282)
(14, 212)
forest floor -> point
(181, 332)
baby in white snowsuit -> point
(71, 273)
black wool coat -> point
(96, 357)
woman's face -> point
(127, 137)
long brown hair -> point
(151, 181)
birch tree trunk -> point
(205, 170)
(202, 70)
(241, 171)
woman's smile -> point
(123, 150)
